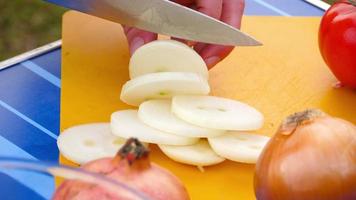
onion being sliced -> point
(166, 56)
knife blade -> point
(164, 17)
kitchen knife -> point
(164, 17)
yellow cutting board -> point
(285, 75)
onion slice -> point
(163, 85)
(166, 56)
(239, 146)
(87, 142)
(157, 114)
(126, 124)
(216, 113)
(198, 154)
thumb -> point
(137, 37)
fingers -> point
(200, 46)
(232, 11)
(187, 42)
(213, 54)
(209, 7)
(229, 11)
(137, 37)
(184, 2)
(212, 8)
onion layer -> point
(312, 156)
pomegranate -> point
(131, 166)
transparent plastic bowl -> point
(27, 179)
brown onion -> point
(130, 166)
(311, 157)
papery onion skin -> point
(132, 167)
(311, 157)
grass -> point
(27, 24)
(330, 1)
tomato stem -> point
(352, 2)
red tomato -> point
(337, 41)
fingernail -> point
(212, 61)
(136, 43)
(191, 43)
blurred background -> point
(27, 24)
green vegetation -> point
(27, 24)
(330, 1)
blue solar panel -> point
(16, 190)
(51, 62)
(27, 137)
(31, 95)
(295, 8)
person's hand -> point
(228, 11)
